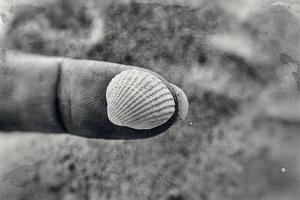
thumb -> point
(86, 98)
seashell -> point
(138, 100)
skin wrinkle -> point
(57, 102)
(129, 99)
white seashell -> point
(138, 100)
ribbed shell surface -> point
(138, 100)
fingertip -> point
(182, 102)
(94, 96)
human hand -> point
(60, 95)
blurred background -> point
(238, 62)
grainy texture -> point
(233, 61)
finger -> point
(48, 94)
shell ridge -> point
(150, 92)
(124, 98)
(119, 86)
(137, 90)
(137, 101)
(138, 109)
(109, 90)
(121, 95)
(149, 113)
(133, 98)
(124, 89)
(129, 87)
(146, 105)
(148, 100)
(154, 120)
(161, 117)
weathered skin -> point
(59, 95)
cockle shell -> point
(138, 100)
